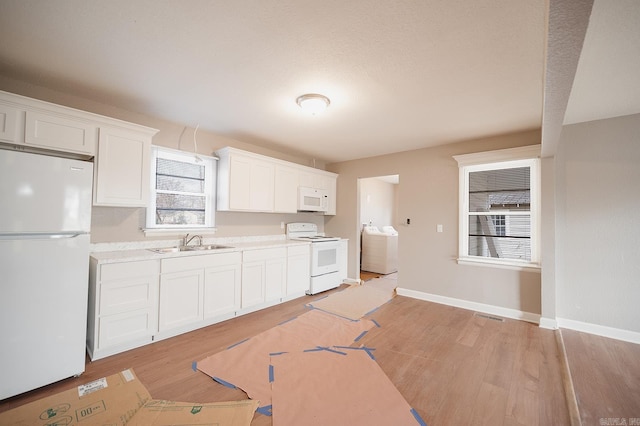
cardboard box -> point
(122, 400)
(109, 401)
(164, 413)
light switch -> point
(439, 228)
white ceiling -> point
(607, 80)
(400, 75)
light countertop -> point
(139, 251)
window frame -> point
(527, 156)
(210, 186)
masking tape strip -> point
(277, 353)
(375, 322)
(369, 351)
(361, 335)
(418, 418)
(286, 321)
(270, 373)
(194, 365)
(222, 382)
(266, 410)
(239, 343)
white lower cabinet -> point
(196, 291)
(264, 276)
(123, 306)
(298, 270)
(134, 303)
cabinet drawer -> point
(117, 296)
(264, 254)
(64, 134)
(298, 250)
(118, 271)
(125, 327)
(176, 264)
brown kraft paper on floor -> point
(246, 364)
(335, 386)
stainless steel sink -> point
(189, 248)
(204, 247)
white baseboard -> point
(600, 330)
(473, 306)
(549, 323)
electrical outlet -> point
(281, 225)
(408, 221)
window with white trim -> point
(500, 207)
(182, 190)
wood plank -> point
(452, 367)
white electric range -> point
(324, 255)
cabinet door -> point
(251, 184)
(275, 278)
(298, 270)
(9, 124)
(253, 276)
(262, 186)
(286, 190)
(122, 168)
(180, 299)
(125, 327)
(239, 183)
(222, 290)
(58, 133)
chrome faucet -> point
(186, 240)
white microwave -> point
(312, 199)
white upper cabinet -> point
(122, 168)
(256, 183)
(49, 131)
(121, 150)
(245, 183)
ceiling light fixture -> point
(313, 103)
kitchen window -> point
(182, 190)
(499, 208)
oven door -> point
(324, 257)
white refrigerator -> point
(45, 218)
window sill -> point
(492, 263)
(150, 232)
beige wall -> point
(428, 195)
(109, 224)
(597, 225)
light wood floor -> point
(453, 367)
(606, 377)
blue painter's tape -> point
(270, 373)
(376, 323)
(286, 321)
(418, 418)
(277, 353)
(222, 382)
(194, 366)
(360, 336)
(372, 311)
(239, 343)
(316, 349)
(334, 351)
(266, 410)
(369, 351)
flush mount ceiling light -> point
(313, 103)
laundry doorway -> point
(378, 219)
